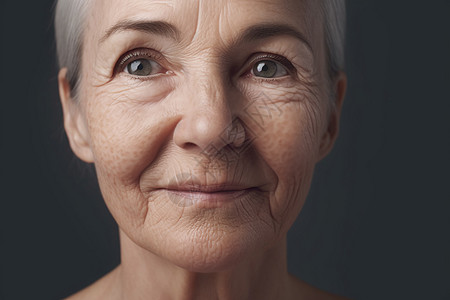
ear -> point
(74, 122)
(331, 133)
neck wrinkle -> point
(144, 275)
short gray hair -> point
(70, 17)
(334, 13)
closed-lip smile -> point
(213, 188)
(207, 194)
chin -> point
(214, 250)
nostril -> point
(189, 146)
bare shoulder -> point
(303, 290)
(97, 290)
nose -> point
(207, 120)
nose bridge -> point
(209, 112)
(212, 93)
(214, 106)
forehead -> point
(197, 19)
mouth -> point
(208, 195)
(213, 188)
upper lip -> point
(211, 188)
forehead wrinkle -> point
(218, 25)
(108, 12)
(277, 19)
(157, 27)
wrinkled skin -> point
(146, 134)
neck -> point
(143, 275)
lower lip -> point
(186, 198)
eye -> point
(142, 67)
(268, 69)
(141, 62)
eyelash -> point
(257, 57)
(274, 57)
(135, 54)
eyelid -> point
(137, 54)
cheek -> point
(128, 126)
(288, 124)
(127, 132)
(131, 128)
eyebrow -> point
(152, 27)
(267, 30)
(253, 33)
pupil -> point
(140, 67)
(265, 69)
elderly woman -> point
(204, 120)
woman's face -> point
(204, 120)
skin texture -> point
(206, 120)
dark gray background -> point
(376, 224)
